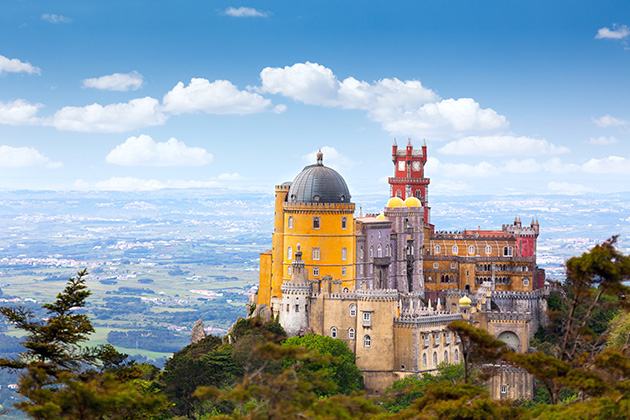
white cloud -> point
(601, 140)
(218, 97)
(609, 165)
(244, 12)
(401, 107)
(501, 145)
(144, 151)
(617, 32)
(230, 177)
(556, 166)
(21, 157)
(447, 187)
(140, 112)
(13, 65)
(609, 121)
(52, 18)
(567, 188)
(19, 112)
(138, 184)
(481, 170)
(331, 158)
(121, 82)
(524, 166)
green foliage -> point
(341, 368)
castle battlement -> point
(515, 294)
(509, 316)
(296, 288)
(379, 294)
(424, 320)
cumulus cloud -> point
(601, 140)
(556, 166)
(144, 151)
(139, 184)
(331, 158)
(521, 166)
(617, 32)
(19, 112)
(13, 65)
(21, 157)
(52, 18)
(567, 188)
(609, 165)
(121, 82)
(609, 121)
(501, 145)
(218, 97)
(481, 170)
(140, 112)
(401, 107)
(244, 12)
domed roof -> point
(465, 301)
(381, 216)
(394, 202)
(412, 202)
(319, 184)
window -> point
(361, 252)
(367, 341)
(353, 310)
(507, 251)
(345, 290)
(343, 271)
(424, 359)
(448, 337)
(445, 356)
(344, 253)
(456, 358)
(387, 251)
(351, 333)
(471, 249)
(288, 307)
(437, 249)
(371, 268)
(371, 252)
(289, 270)
(426, 340)
(488, 249)
(436, 339)
(367, 319)
(344, 222)
(361, 269)
(379, 250)
(290, 222)
(290, 253)
(316, 222)
(454, 250)
(503, 389)
(453, 265)
(315, 271)
(435, 362)
(333, 332)
(315, 254)
(436, 266)
(525, 282)
(297, 308)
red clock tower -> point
(408, 179)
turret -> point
(394, 151)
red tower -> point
(408, 179)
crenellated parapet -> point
(378, 294)
(296, 288)
(300, 207)
(437, 318)
(513, 317)
(520, 295)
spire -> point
(320, 157)
(424, 143)
(409, 142)
(395, 142)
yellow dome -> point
(465, 301)
(394, 202)
(380, 216)
(412, 202)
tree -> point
(57, 374)
(341, 368)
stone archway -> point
(511, 339)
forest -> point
(581, 364)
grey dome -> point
(318, 184)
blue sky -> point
(511, 97)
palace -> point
(389, 284)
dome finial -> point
(320, 157)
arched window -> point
(344, 253)
(455, 250)
(456, 358)
(361, 252)
(379, 250)
(290, 222)
(424, 359)
(526, 282)
(387, 251)
(371, 252)
(344, 222)
(436, 249)
(351, 333)
(290, 253)
(471, 249)
(353, 310)
(289, 270)
(333, 332)
(435, 362)
(316, 222)
(446, 356)
(367, 341)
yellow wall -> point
(264, 286)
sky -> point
(511, 97)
